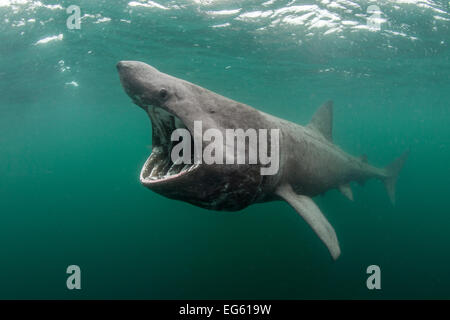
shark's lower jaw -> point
(159, 167)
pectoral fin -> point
(313, 216)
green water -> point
(72, 145)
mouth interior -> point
(159, 166)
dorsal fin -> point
(322, 120)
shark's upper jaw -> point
(159, 167)
(144, 85)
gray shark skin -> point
(309, 162)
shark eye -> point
(163, 93)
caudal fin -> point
(392, 171)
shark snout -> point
(125, 65)
(128, 66)
(127, 69)
(132, 77)
(138, 78)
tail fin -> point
(392, 171)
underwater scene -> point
(350, 201)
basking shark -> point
(309, 162)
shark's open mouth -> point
(160, 166)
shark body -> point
(309, 162)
